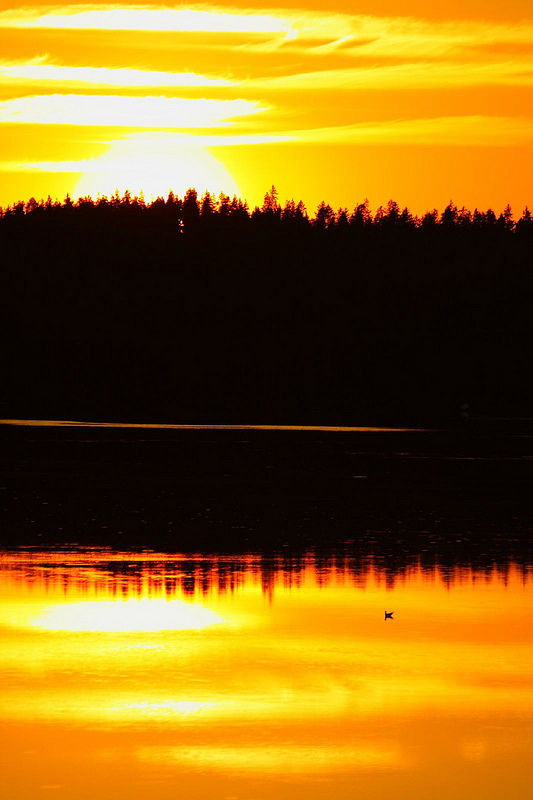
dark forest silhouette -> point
(200, 310)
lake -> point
(202, 612)
(130, 675)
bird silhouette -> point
(388, 614)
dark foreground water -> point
(447, 497)
(199, 613)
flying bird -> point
(388, 614)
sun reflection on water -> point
(124, 616)
(289, 760)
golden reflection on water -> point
(57, 423)
(129, 675)
(134, 616)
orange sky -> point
(337, 101)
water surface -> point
(141, 675)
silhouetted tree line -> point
(191, 211)
(198, 309)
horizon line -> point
(133, 197)
(51, 423)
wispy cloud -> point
(475, 130)
(82, 165)
(467, 51)
(419, 75)
(158, 142)
(154, 18)
(117, 110)
(38, 71)
(465, 131)
(308, 29)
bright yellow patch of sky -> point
(326, 101)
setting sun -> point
(153, 165)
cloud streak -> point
(384, 51)
(311, 30)
(39, 72)
(151, 141)
(460, 131)
(122, 111)
(400, 77)
(470, 131)
(125, 18)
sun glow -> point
(154, 164)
